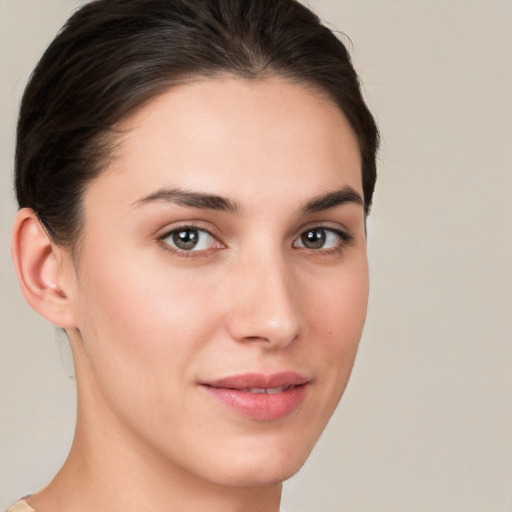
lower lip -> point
(260, 406)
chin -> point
(260, 464)
(259, 474)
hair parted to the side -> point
(112, 56)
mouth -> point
(259, 396)
(268, 391)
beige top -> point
(21, 506)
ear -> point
(45, 271)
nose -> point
(264, 303)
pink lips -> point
(259, 396)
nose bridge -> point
(264, 306)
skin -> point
(148, 322)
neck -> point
(112, 469)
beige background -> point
(426, 423)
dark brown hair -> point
(112, 56)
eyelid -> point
(346, 238)
(337, 227)
(189, 225)
(200, 225)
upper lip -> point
(259, 380)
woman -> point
(193, 179)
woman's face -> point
(222, 279)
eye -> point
(189, 239)
(322, 238)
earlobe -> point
(43, 274)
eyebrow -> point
(333, 199)
(191, 199)
(214, 202)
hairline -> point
(111, 138)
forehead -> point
(237, 138)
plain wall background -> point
(426, 422)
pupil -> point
(186, 239)
(314, 238)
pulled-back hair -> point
(113, 56)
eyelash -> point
(345, 240)
(183, 253)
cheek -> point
(337, 305)
(336, 314)
(142, 331)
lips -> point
(268, 391)
(259, 396)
